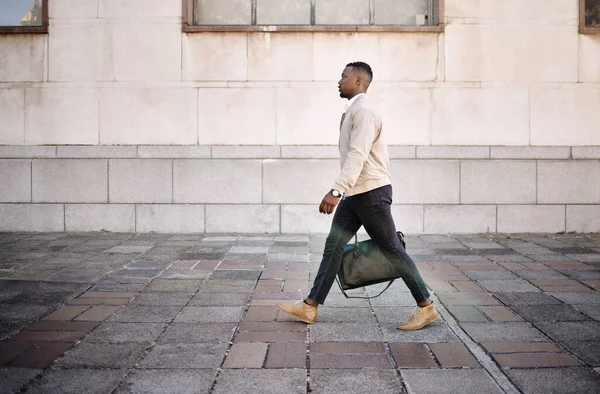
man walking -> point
(364, 182)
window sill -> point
(589, 30)
(23, 29)
(309, 28)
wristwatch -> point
(335, 193)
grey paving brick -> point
(434, 332)
(76, 381)
(464, 381)
(527, 298)
(513, 286)
(503, 332)
(24, 312)
(549, 313)
(345, 332)
(541, 275)
(115, 286)
(145, 314)
(219, 299)
(228, 286)
(184, 274)
(589, 309)
(103, 355)
(578, 298)
(136, 249)
(491, 275)
(157, 381)
(14, 378)
(198, 333)
(126, 332)
(248, 275)
(149, 264)
(207, 314)
(161, 299)
(555, 380)
(289, 381)
(570, 331)
(185, 355)
(174, 286)
(350, 381)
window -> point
(313, 15)
(589, 16)
(23, 16)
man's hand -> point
(328, 204)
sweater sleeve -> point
(362, 135)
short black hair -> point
(362, 66)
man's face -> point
(348, 84)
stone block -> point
(460, 219)
(217, 181)
(246, 152)
(140, 181)
(308, 114)
(126, 332)
(246, 355)
(25, 152)
(453, 152)
(134, 44)
(406, 114)
(342, 12)
(100, 217)
(336, 381)
(408, 57)
(148, 116)
(15, 178)
(304, 219)
(466, 381)
(15, 378)
(530, 152)
(583, 218)
(575, 182)
(12, 116)
(589, 58)
(514, 10)
(564, 116)
(22, 57)
(531, 218)
(500, 182)
(283, 12)
(215, 56)
(503, 332)
(228, 12)
(310, 152)
(80, 53)
(71, 9)
(430, 181)
(547, 380)
(78, 380)
(253, 381)
(101, 152)
(480, 116)
(553, 11)
(586, 152)
(45, 120)
(242, 219)
(104, 355)
(139, 9)
(32, 217)
(551, 42)
(409, 218)
(185, 355)
(332, 51)
(174, 152)
(153, 381)
(275, 57)
(279, 173)
(237, 116)
(66, 180)
(402, 152)
(198, 333)
(177, 218)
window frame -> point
(583, 29)
(43, 29)
(187, 25)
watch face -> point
(335, 193)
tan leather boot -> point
(303, 311)
(421, 317)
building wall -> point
(117, 120)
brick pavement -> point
(150, 313)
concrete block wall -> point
(117, 120)
(254, 189)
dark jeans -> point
(373, 211)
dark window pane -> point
(592, 13)
(20, 12)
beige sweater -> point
(363, 152)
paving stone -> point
(589, 309)
(491, 275)
(49, 336)
(114, 286)
(76, 381)
(274, 326)
(286, 355)
(24, 312)
(97, 313)
(209, 314)
(535, 360)
(578, 298)
(188, 274)
(347, 347)
(503, 332)
(50, 325)
(100, 301)
(549, 313)
(587, 351)
(466, 313)
(194, 333)
(246, 355)
(40, 355)
(541, 275)
(129, 249)
(527, 299)
(434, 332)
(412, 355)
(345, 332)
(157, 381)
(499, 313)
(151, 264)
(464, 298)
(555, 380)
(261, 313)
(185, 355)
(520, 347)
(453, 355)
(270, 336)
(8, 328)
(66, 313)
(289, 381)
(342, 315)
(145, 314)
(14, 378)
(161, 299)
(354, 381)
(569, 331)
(450, 381)
(104, 355)
(11, 349)
(513, 286)
(228, 286)
(219, 299)
(174, 286)
(349, 361)
(126, 332)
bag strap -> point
(364, 298)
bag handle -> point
(364, 298)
